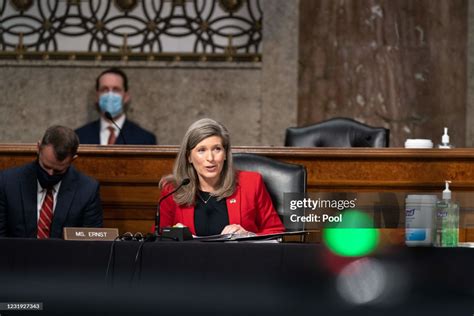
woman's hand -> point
(236, 229)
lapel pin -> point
(233, 201)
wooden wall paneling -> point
(129, 175)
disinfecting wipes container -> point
(418, 143)
(420, 219)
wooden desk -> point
(129, 175)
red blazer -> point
(250, 206)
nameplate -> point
(90, 233)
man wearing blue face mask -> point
(39, 199)
(112, 97)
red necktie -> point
(112, 136)
(46, 216)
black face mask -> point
(47, 181)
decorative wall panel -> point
(131, 29)
(256, 101)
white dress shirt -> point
(104, 128)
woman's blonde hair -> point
(183, 169)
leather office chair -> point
(337, 132)
(279, 177)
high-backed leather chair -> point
(279, 177)
(337, 132)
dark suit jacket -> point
(132, 132)
(250, 206)
(77, 205)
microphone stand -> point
(157, 215)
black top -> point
(210, 218)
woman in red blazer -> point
(218, 199)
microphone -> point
(157, 217)
(138, 236)
(110, 118)
(126, 236)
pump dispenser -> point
(445, 140)
(447, 220)
(447, 191)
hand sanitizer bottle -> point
(445, 140)
(447, 220)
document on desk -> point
(220, 237)
(254, 238)
(466, 244)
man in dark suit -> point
(40, 198)
(112, 96)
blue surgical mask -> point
(111, 102)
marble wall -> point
(256, 101)
(469, 121)
(399, 64)
(402, 64)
